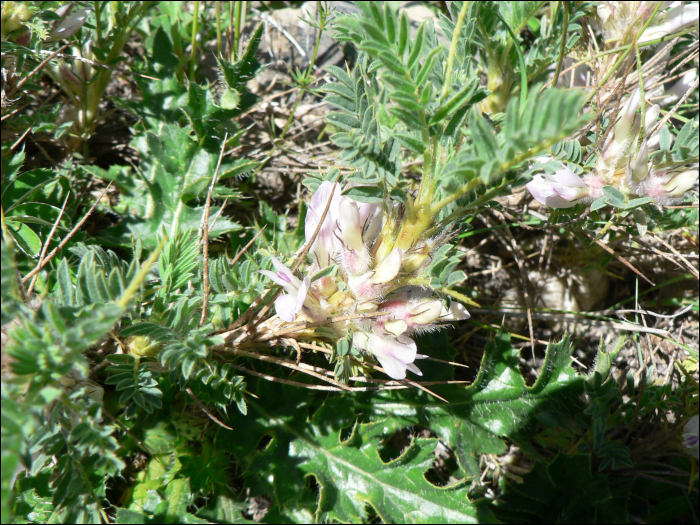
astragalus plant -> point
(381, 261)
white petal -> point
(394, 369)
(301, 294)
(286, 307)
(395, 328)
(360, 339)
(640, 166)
(650, 117)
(349, 222)
(388, 268)
(457, 313)
(623, 126)
(413, 368)
(567, 177)
(426, 312)
(392, 354)
(285, 273)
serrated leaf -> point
(498, 404)
(351, 473)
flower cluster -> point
(361, 280)
(623, 163)
(626, 160)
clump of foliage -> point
(146, 374)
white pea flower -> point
(396, 355)
(561, 190)
(289, 305)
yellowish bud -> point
(141, 346)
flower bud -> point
(326, 286)
(415, 261)
(650, 117)
(394, 328)
(681, 183)
(367, 306)
(425, 312)
(142, 346)
(337, 298)
(70, 25)
(629, 110)
(457, 312)
(640, 166)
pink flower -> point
(349, 227)
(396, 355)
(288, 306)
(561, 190)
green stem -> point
(562, 49)
(236, 30)
(195, 22)
(98, 25)
(453, 50)
(134, 285)
(217, 9)
(470, 186)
